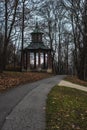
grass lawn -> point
(66, 109)
(11, 79)
(75, 80)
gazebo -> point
(37, 56)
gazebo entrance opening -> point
(34, 60)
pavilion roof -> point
(37, 45)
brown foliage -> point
(74, 79)
(13, 79)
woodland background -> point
(64, 23)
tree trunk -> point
(22, 44)
(5, 39)
(1, 69)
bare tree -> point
(8, 28)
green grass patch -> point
(66, 109)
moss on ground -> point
(66, 109)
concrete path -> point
(28, 112)
(72, 85)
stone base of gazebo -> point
(37, 70)
(28, 70)
(49, 70)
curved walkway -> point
(29, 114)
(72, 85)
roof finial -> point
(36, 19)
(37, 29)
(36, 23)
